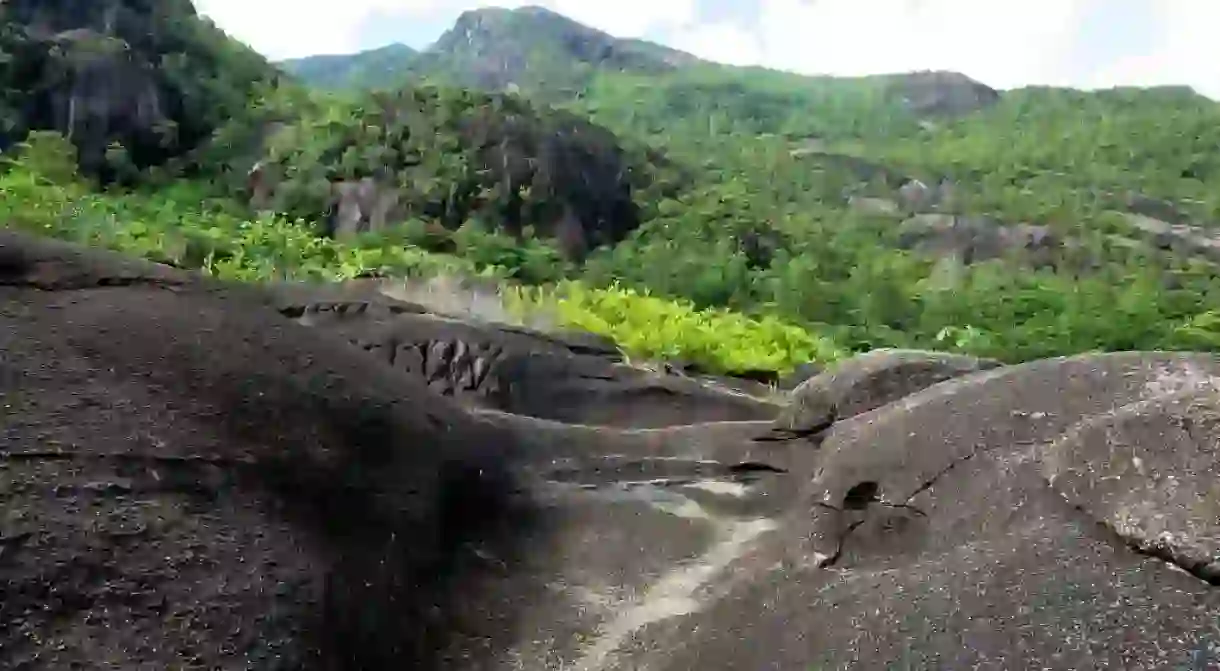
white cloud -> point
(1189, 54)
(625, 18)
(288, 28)
(1004, 44)
(721, 41)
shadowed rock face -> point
(198, 482)
(104, 71)
(192, 481)
(567, 378)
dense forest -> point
(735, 217)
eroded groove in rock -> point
(747, 468)
(568, 378)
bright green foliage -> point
(377, 68)
(454, 156)
(653, 328)
(719, 209)
(212, 238)
(183, 227)
(1044, 152)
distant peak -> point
(485, 14)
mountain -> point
(375, 68)
(535, 48)
(556, 60)
(493, 48)
(919, 209)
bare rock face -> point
(574, 378)
(927, 536)
(938, 94)
(1151, 472)
(974, 239)
(192, 480)
(150, 76)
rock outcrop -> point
(939, 94)
(975, 239)
(119, 72)
(518, 167)
(192, 480)
(930, 532)
(564, 377)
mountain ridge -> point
(494, 48)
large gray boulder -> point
(928, 536)
(195, 481)
(974, 239)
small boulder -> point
(867, 382)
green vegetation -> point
(531, 48)
(182, 226)
(376, 68)
(133, 83)
(737, 218)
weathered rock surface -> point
(928, 537)
(1184, 239)
(1150, 472)
(867, 382)
(191, 480)
(940, 93)
(975, 239)
(570, 378)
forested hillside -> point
(742, 218)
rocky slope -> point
(136, 86)
(894, 144)
(231, 489)
(153, 80)
(454, 157)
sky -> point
(1005, 44)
